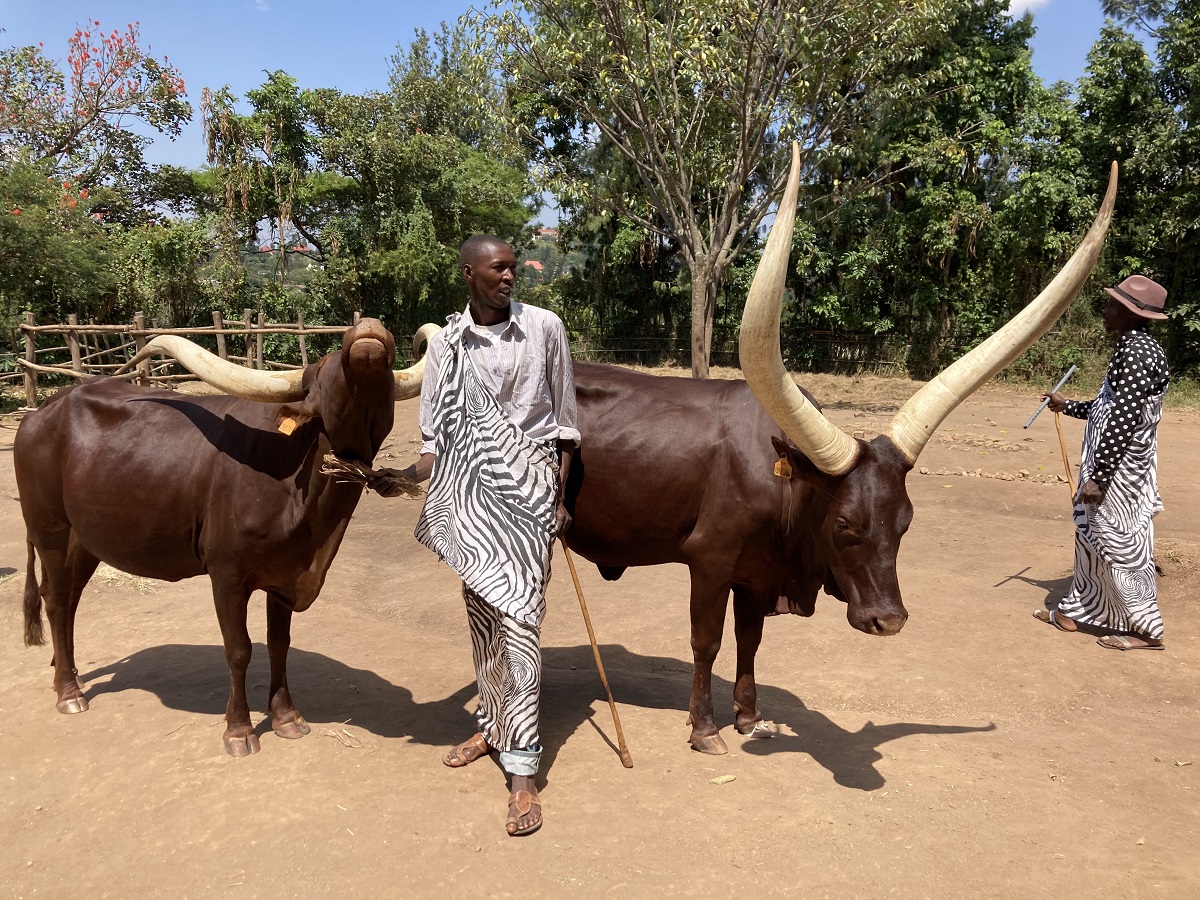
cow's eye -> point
(842, 524)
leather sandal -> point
(520, 804)
(1050, 618)
(473, 748)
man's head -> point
(489, 267)
(1134, 302)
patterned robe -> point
(1114, 584)
(489, 513)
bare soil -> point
(978, 753)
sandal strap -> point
(524, 801)
(478, 741)
(468, 751)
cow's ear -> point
(291, 416)
(791, 463)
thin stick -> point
(626, 759)
(1058, 387)
(1062, 445)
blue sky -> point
(347, 45)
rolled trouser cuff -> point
(521, 762)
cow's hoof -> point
(711, 744)
(72, 705)
(241, 745)
(296, 728)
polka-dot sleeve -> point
(1077, 409)
(1136, 371)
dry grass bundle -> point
(384, 481)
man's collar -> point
(515, 316)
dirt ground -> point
(977, 754)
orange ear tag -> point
(287, 425)
(783, 468)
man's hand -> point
(420, 470)
(1057, 402)
(562, 520)
(1091, 493)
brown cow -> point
(673, 470)
(169, 486)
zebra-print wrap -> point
(489, 512)
(508, 669)
(1114, 583)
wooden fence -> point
(92, 349)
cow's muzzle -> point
(881, 622)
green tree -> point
(55, 255)
(1143, 14)
(78, 121)
(699, 98)
(937, 221)
(412, 173)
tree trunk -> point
(704, 296)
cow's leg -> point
(747, 628)
(231, 601)
(286, 720)
(66, 568)
(709, 600)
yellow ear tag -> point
(288, 425)
(783, 468)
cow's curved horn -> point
(920, 416)
(829, 448)
(268, 387)
(408, 381)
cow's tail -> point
(33, 601)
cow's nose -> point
(889, 624)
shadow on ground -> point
(1056, 588)
(194, 678)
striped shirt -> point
(526, 362)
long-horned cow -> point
(685, 471)
(169, 486)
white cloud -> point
(265, 6)
(1020, 7)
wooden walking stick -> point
(1062, 445)
(626, 759)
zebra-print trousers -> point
(508, 669)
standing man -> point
(1114, 585)
(499, 423)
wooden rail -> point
(98, 349)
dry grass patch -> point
(111, 577)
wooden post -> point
(73, 343)
(258, 344)
(92, 349)
(303, 349)
(249, 341)
(219, 325)
(30, 356)
(139, 340)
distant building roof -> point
(533, 262)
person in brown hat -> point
(1114, 586)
